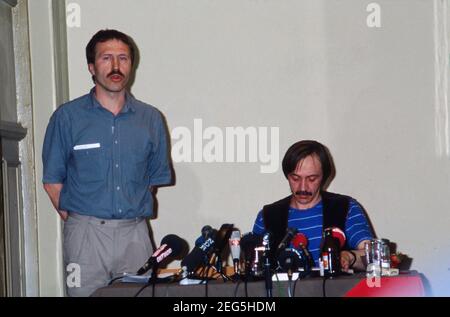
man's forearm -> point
(54, 191)
(361, 262)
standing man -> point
(308, 168)
(102, 154)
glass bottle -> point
(330, 254)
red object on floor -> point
(393, 286)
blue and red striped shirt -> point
(309, 222)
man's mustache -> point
(115, 72)
(303, 193)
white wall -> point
(43, 103)
(314, 69)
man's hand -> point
(63, 214)
(347, 258)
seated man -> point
(308, 168)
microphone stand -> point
(247, 270)
(289, 274)
(153, 278)
(268, 277)
(236, 269)
(209, 265)
(151, 281)
(289, 266)
(267, 271)
(219, 266)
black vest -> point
(275, 216)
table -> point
(406, 284)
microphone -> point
(338, 234)
(267, 271)
(235, 249)
(171, 245)
(207, 231)
(290, 232)
(223, 236)
(300, 242)
(249, 242)
(290, 260)
(199, 254)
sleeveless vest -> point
(275, 215)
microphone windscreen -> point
(194, 259)
(235, 235)
(207, 231)
(340, 235)
(249, 242)
(175, 243)
(299, 239)
(223, 235)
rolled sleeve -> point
(55, 151)
(160, 172)
(357, 225)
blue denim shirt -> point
(106, 163)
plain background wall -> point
(44, 103)
(315, 70)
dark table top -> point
(406, 284)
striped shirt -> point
(309, 222)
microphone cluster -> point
(254, 256)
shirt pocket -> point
(90, 165)
(136, 169)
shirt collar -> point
(316, 206)
(128, 106)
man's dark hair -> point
(106, 35)
(302, 149)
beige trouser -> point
(96, 250)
